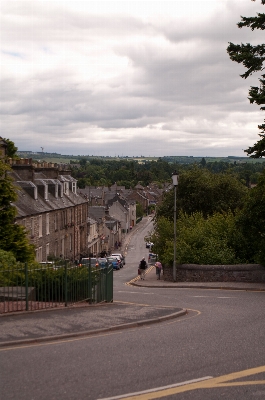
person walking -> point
(158, 266)
(142, 267)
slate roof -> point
(97, 212)
(31, 201)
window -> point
(46, 192)
(40, 225)
(47, 224)
(66, 188)
(65, 217)
(55, 221)
(39, 254)
(74, 187)
(71, 242)
(47, 250)
(62, 247)
(32, 227)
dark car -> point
(149, 245)
(89, 261)
(114, 261)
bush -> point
(199, 241)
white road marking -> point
(157, 389)
(124, 291)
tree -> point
(13, 237)
(139, 210)
(252, 57)
(199, 190)
(252, 222)
(11, 148)
(213, 240)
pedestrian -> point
(158, 266)
(142, 267)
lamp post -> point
(175, 183)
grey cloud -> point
(179, 88)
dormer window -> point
(74, 187)
(46, 192)
(66, 188)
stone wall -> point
(216, 273)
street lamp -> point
(175, 183)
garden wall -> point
(216, 273)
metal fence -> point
(49, 286)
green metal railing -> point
(47, 286)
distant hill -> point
(63, 158)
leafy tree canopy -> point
(11, 148)
(252, 221)
(13, 237)
(199, 190)
(252, 57)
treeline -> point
(124, 172)
(219, 219)
(128, 173)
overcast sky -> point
(125, 77)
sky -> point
(126, 78)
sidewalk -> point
(68, 323)
(152, 282)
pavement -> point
(152, 282)
(24, 328)
(27, 328)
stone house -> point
(99, 215)
(50, 209)
(124, 211)
(93, 244)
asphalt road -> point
(216, 351)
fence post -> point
(89, 282)
(26, 287)
(65, 284)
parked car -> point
(89, 261)
(120, 257)
(114, 261)
(103, 262)
(152, 258)
(51, 264)
(149, 245)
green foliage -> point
(251, 222)
(252, 57)
(11, 148)
(139, 210)
(49, 281)
(7, 259)
(206, 241)
(163, 240)
(13, 237)
(199, 190)
(199, 240)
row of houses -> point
(64, 221)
